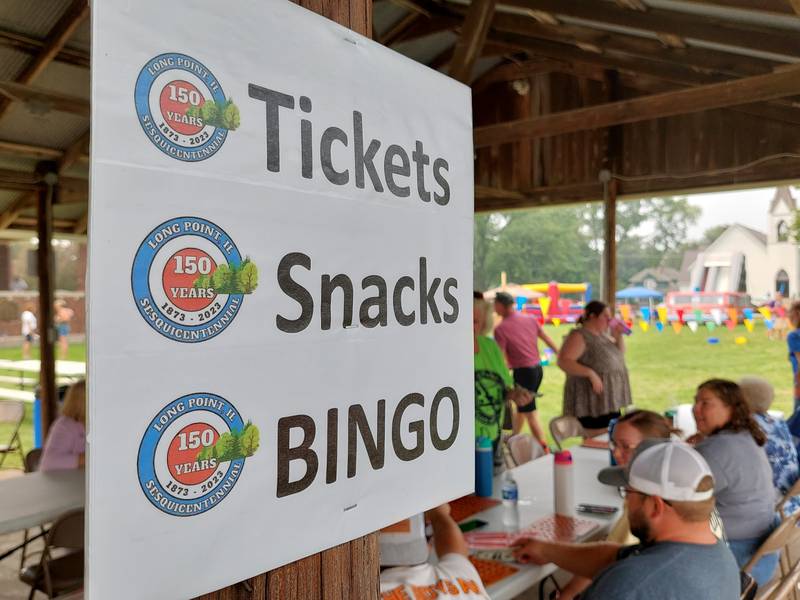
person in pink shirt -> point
(66, 441)
(518, 336)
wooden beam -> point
(795, 6)
(473, 35)
(698, 59)
(672, 73)
(45, 267)
(30, 151)
(75, 14)
(82, 224)
(524, 70)
(15, 209)
(72, 154)
(489, 49)
(780, 7)
(33, 46)
(610, 245)
(397, 30)
(759, 88)
(43, 100)
(752, 37)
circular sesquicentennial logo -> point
(189, 279)
(182, 108)
(193, 453)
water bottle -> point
(612, 423)
(510, 494)
(484, 467)
(563, 492)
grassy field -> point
(76, 352)
(665, 368)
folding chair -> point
(522, 448)
(562, 428)
(776, 542)
(785, 587)
(62, 573)
(32, 460)
(12, 413)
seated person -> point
(630, 431)
(733, 446)
(669, 496)
(453, 575)
(65, 446)
(781, 452)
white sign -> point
(281, 262)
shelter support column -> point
(610, 242)
(46, 196)
(349, 571)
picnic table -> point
(535, 482)
(37, 498)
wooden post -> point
(473, 35)
(46, 195)
(350, 571)
(610, 244)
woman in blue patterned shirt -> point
(780, 448)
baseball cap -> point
(670, 469)
(504, 298)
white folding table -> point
(37, 498)
(535, 482)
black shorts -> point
(598, 422)
(530, 378)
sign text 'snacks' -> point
(396, 166)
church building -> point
(743, 259)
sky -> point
(747, 207)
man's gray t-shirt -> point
(742, 483)
(668, 571)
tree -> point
(671, 218)
(540, 245)
(227, 447)
(248, 277)
(248, 441)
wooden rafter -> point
(489, 49)
(769, 6)
(73, 153)
(627, 64)
(14, 210)
(33, 46)
(43, 100)
(82, 224)
(785, 82)
(398, 29)
(473, 35)
(29, 150)
(530, 68)
(72, 189)
(795, 6)
(764, 39)
(699, 59)
(61, 32)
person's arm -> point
(584, 560)
(447, 537)
(547, 340)
(568, 357)
(619, 339)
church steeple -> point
(781, 215)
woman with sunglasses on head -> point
(593, 358)
(733, 445)
(629, 432)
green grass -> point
(76, 352)
(665, 368)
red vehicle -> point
(689, 302)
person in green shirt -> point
(493, 381)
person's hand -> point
(597, 383)
(545, 447)
(530, 551)
(520, 396)
(443, 510)
(695, 439)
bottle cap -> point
(483, 442)
(563, 458)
